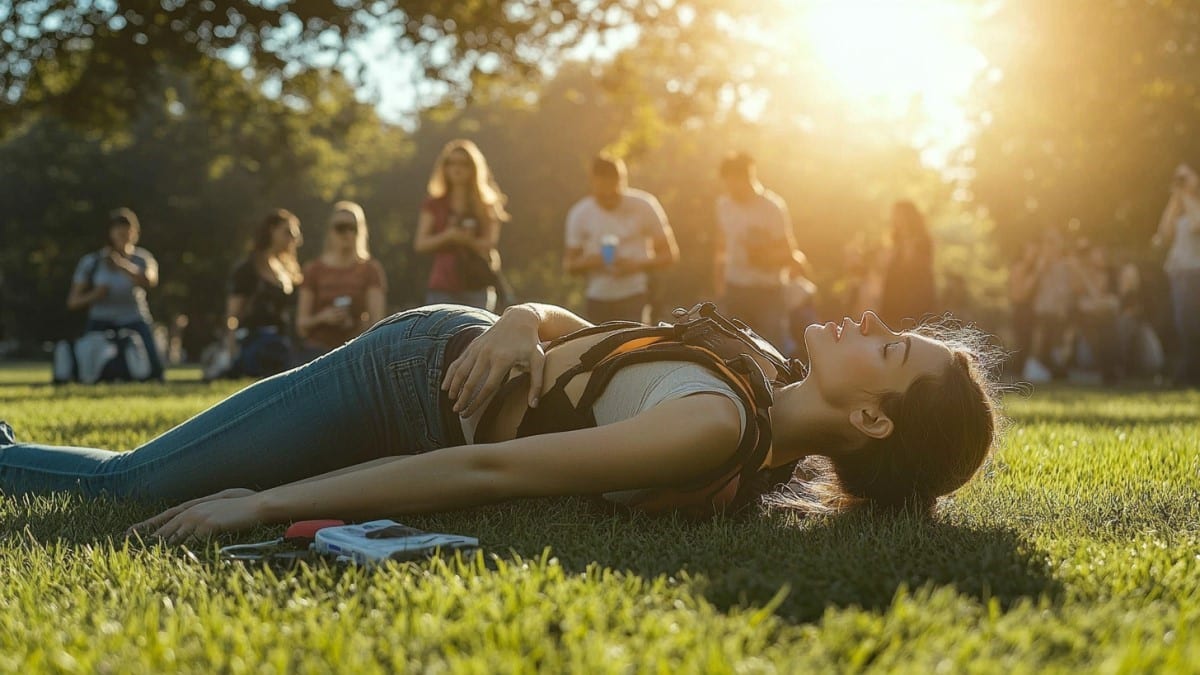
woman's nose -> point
(871, 323)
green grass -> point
(1079, 548)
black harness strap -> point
(725, 347)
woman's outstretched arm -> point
(667, 445)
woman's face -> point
(853, 364)
(343, 229)
(285, 237)
(459, 168)
(122, 235)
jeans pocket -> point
(418, 403)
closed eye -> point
(885, 348)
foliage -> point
(1074, 551)
(198, 181)
(94, 63)
(1089, 108)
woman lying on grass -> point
(421, 414)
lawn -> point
(1078, 549)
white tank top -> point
(1184, 255)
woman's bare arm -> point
(427, 241)
(81, 296)
(1166, 224)
(514, 341)
(651, 450)
(376, 305)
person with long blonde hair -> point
(459, 226)
(345, 289)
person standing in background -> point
(615, 237)
(112, 283)
(756, 249)
(459, 226)
(344, 290)
(1179, 233)
(909, 292)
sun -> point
(893, 49)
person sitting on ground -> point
(258, 310)
(1096, 308)
(345, 290)
(112, 283)
(420, 414)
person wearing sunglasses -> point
(344, 290)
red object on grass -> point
(307, 529)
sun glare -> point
(894, 48)
(898, 56)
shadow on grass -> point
(855, 560)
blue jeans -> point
(1185, 300)
(141, 328)
(376, 396)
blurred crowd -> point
(1073, 307)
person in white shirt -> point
(1179, 233)
(615, 237)
(756, 249)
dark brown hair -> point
(944, 428)
(261, 242)
(607, 166)
(736, 165)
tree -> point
(1091, 105)
(92, 63)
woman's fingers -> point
(537, 366)
(458, 373)
(496, 374)
(479, 373)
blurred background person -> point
(1053, 302)
(1096, 306)
(864, 261)
(615, 237)
(258, 310)
(1179, 233)
(112, 283)
(909, 292)
(756, 251)
(1023, 275)
(459, 226)
(344, 290)
(1139, 344)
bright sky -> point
(899, 54)
(896, 57)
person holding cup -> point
(615, 237)
(344, 290)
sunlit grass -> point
(1079, 550)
